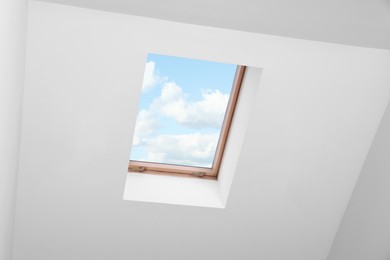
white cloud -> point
(208, 112)
(189, 149)
(151, 77)
(145, 126)
(184, 149)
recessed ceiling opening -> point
(185, 105)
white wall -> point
(315, 115)
(364, 232)
(13, 23)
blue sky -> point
(181, 110)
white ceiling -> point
(352, 22)
(316, 112)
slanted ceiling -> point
(316, 113)
(354, 22)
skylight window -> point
(184, 115)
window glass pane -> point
(181, 110)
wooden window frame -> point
(192, 171)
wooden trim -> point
(192, 171)
(228, 119)
(139, 166)
(170, 169)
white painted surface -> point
(244, 110)
(353, 22)
(202, 192)
(173, 190)
(13, 24)
(313, 122)
(364, 232)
